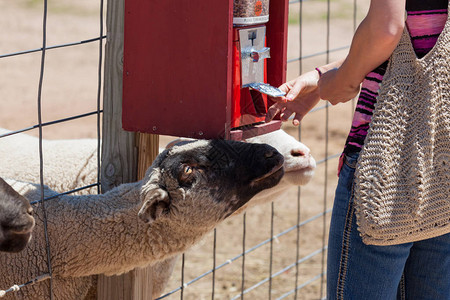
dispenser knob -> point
(257, 55)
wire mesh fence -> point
(275, 251)
(40, 126)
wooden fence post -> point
(121, 161)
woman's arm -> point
(373, 43)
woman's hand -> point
(302, 94)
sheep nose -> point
(299, 152)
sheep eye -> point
(187, 170)
(187, 174)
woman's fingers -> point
(297, 119)
(286, 114)
(274, 110)
(295, 90)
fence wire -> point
(299, 190)
(41, 153)
(41, 125)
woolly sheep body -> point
(101, 234)
(68, 164)
(60, 219)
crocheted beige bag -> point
(402, 179)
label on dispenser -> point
(251, 20)
(266, 88)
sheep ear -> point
(179, 142)
(156, 204)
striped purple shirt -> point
(425, 21)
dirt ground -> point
(70, 88)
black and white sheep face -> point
(218, 176)
(16, 221)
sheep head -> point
(16, 221)
(202, 182)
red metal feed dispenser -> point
(203, 68)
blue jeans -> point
(419, 270)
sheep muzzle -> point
(16, 220)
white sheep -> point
(16, 221)
(299, 166)
(68, 164)
(187, 191)
(61, 173)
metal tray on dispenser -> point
(266, 88)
